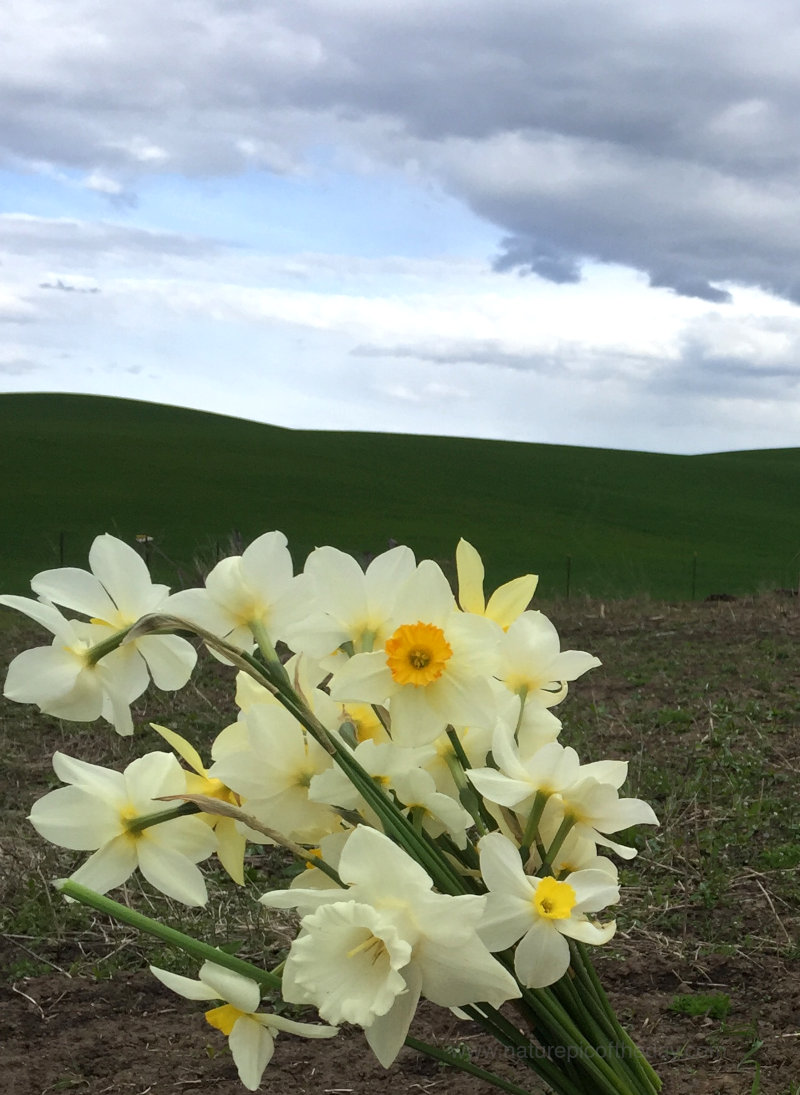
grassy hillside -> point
(73, 466)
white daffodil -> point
(67, 679)
(515, 781)
(272, 775)
(98, 811)
(505, 604)
(248, 594)
(434, 668)
(114, 594)
(540, 912)
(586, 795)
(531, 724)
(402, 770)
(532, 663)
(250, 1033)
(365, 954)
(596, 809)
(353, 606)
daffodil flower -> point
(505, 604)
(67, 679)
(98, 812)
(434, 668)
(231, 843)
(353, 606)
(114, 594)
(402, 770)
(248, 595)
(540, 912)
(366, 954)
(250, 1033)
(532, 663)
(273, 773)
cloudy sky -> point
(568, 221)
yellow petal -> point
(470, 578)
(182, 747)
(230, 848)
(510, 600)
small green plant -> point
(715, 1005)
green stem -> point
(532, 825)
(535, 1057)
(268, 651)
(523, 695)
(201, 951)
(137, 824)
(107, 646)
(465, 1065)
(558, 840)
(636, 1060)
(551, 1013)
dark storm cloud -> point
(665, 138)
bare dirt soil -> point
(705, 701)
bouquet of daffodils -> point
(400, 741)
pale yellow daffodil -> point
(230, 842)
(505, 604)
(250, 1033)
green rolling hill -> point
(628, 522)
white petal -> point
(251, 1048)
(366, 678)
(426, 596)
(78, 590)
(302, 1030)
(169, 658)
(501, 866)
(571, 664)
(415, 721)
(109, 867)
(542, 956)
(453, 976)
(124, 574)
(386, 1034)
(463, 700)
(267, 565)
(171, 873)
(184, 986)
(188, 836)
(46, 615)
(378, 866)
(339, 583)
(586, 932)
(235, 988)
(507, 919)
(594, 890)
(103, 783)
(154, 774)
(385, 575)
(198, 607)
(72, 818)
(496, 787)
(54, 677)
